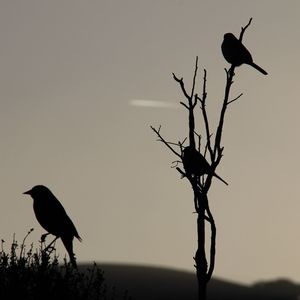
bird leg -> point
(51, 243)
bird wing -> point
(203, 167)
(53, 217)
(235, 52)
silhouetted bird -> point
(237, 54)
(195, 163)
(53, 218)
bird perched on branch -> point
(195, 163)
(237, 54)
(53, 218)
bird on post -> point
(195, 163)
(53, 218)
(237, 54)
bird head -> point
(188, 150)
(229, 36)
(190, 153)
(37, 191)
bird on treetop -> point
(195, 163)
(237, 54)
(53, 218)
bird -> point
(195, 163)
(53, 218)
(237, 54)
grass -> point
(30, 274)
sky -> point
(82, 81)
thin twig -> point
(191, 108)
(182, 103)
(170, 143)
(199, 140)
(195, 100)
(181, 172)
(175, 163)
(180, 81)
(243, 29)
(236, 98)
(194, 81)
(205, 118)
(181, 143)
(164, 141)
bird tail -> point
(68, 243)
(258, 68)
(220, 178)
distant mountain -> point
(154, 283)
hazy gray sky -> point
(69, 71)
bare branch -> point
(181, 143)
(190, 105)
(175, 163)
(164, 141)
(170, 143)
(181, 172)
(182, 103)
(199, 140)
(207, 218)
(227, 73)
(196, 204)
(243, 29)
(195, 100)
(212, 243)
(191, 108)
(180, 81)
(236, 98)
(194, 80)
(230, 75)
(204, 114)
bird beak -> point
(27, 192)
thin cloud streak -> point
(152, 103)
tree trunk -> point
(200, 257)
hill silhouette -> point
(156, 283)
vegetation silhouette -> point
(53, 218)
(34, 275)
(237, 54)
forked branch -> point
(161, 139)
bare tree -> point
(201, 180)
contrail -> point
(152, 103)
